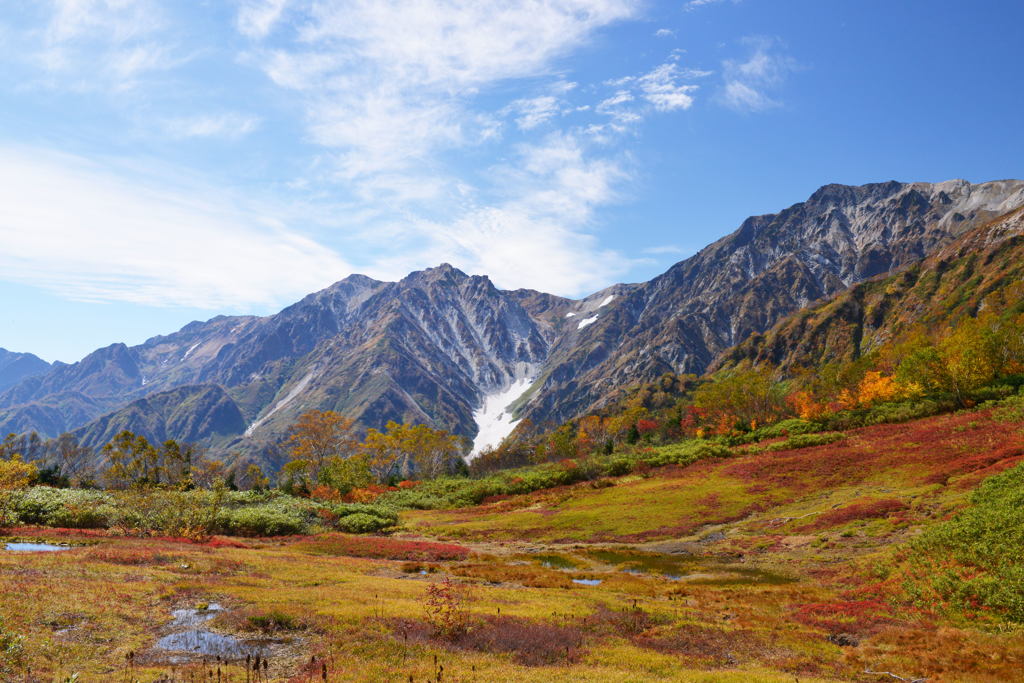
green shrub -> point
(790, 427)
(684, 453)
(362, 523)
(71, 508)
(267, 519)
(988, 536)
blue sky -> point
(163, 161)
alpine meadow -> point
(445, 385)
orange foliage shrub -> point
(326, 493)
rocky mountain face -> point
(957, 280)
(434, 346)
(15, 367)
(770, 267)
(425, 349)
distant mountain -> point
(954, 282)
(191, 413)
(15, 367)
(436, 345)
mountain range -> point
(452, 350)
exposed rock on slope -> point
(770, 267)
(948, 285)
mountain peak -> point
(445, 271)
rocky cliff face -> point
(434, 346)
(742, 284)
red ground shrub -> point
(869, 509)
(861, 617)
(384, 548)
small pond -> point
(587, 582)
(16, 547)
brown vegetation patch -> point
(522, 574)
(531, 643)
(711, 647)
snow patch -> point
(586, 321)
(190, 350)
(296, 390)
(569, 314)
(493, 420)
(607, 301)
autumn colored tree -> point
(253, 478)
(973, 354)
(131, 461)
(345, 474)
(209, 473)
(69, 457)
(403, 447)
(317, 436)
(15, 476)
(744, 398)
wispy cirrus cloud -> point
(751, 85)
(86, 232)
(538, 236)
(230, 125)
(667, 87)
(104, 44)
(697, 4)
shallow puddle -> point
(195, 640)
(34, 547)
(587, 582)
(208, 643)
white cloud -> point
(534, 111)
(664, 33)
(257, 18)
(538, 237)
(105, 44)
(227, 125)
(388, 83)
(750, 85)
(87, 233)
(697, 4)
(662, 89)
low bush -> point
(985, 543)
(806, 441)
(264, 520)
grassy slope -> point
(834, 518)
